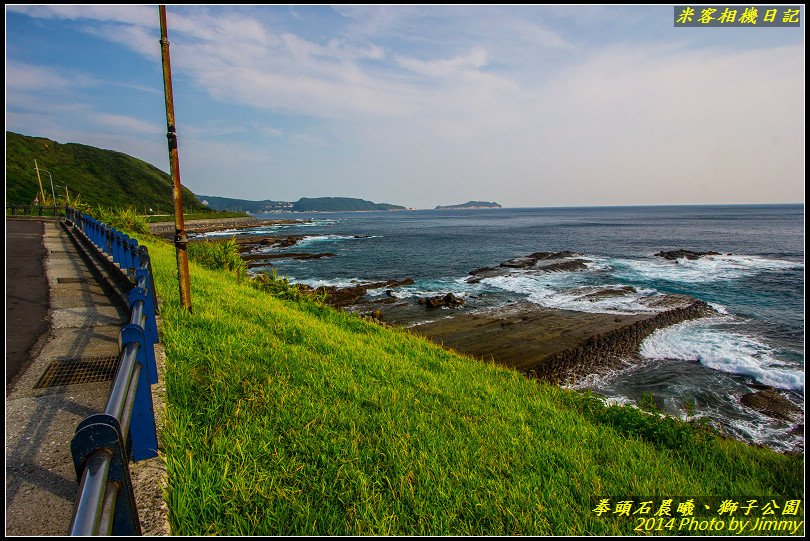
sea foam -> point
(705, 269)
(723, 350)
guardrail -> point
(35, 210)
(105, 442)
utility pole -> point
(180, 239)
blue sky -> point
(424, 105)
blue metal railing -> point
(105, 442)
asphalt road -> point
(26, 291)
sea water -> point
(756, 287)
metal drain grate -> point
(73, 371)
(75, 281)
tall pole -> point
(180, 239)
(41, 192)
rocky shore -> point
(560, 346)
(197, 227)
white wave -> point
(723, 350)
(431, 288)
(705, 269)
(335, 282)
(555, 291)
(766, 431)
(315, 223)
(314, 239)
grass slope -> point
(295, 419)
(102, 177)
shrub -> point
(123, 219)
(218, 255)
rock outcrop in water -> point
(442, 300)
(603, 350)
(771, 403)
(557, 345)
(683, 254)
(538, 261)
(341, 297)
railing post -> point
(110, 245)
(142, 423)
(146, 262)
(150, 325)
(123, 243)
(134, 260)
(97, 435)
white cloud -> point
(127, 124)
(25, 77)
(473, 60)
(443, 102)
(138, 15)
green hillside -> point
(305, 204)
(244, 205)
(471, 205)
(339, 204)
(101, 177)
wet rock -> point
(539, 261)
(770, 403)
(347, 296)
(434, 302)
(443, 300)
(260, 260)
(672, 255)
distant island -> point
(471, 205)
(305, 204)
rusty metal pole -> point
(180, 239)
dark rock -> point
(442, 300)
(770, 403)
(347, 296)
(285, 255)
(680, 254)
(435, 302)
(520, 262)
(607, 293)
(540, 261)
(561, 265)
(262, 260)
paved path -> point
(26, 291)
(82, 323)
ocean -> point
(756, 287)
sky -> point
(528, 106)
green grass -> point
(290, 418)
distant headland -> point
(471, 205)
(305, 204)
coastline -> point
(559, 346)
(211, 225)
(556, 343)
